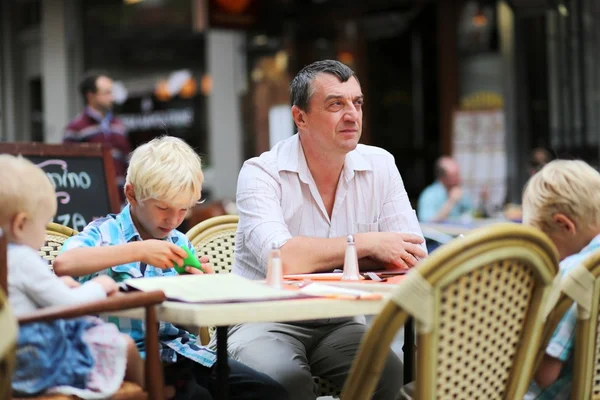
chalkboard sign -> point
(83, 176)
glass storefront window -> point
(157, 60)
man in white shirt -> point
(307, 194)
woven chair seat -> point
(477, 311)
(51, 248)
(478, 305)
(56, 235)
(218, 249)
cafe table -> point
(216, 309)
(457, 227)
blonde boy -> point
(27, 205)
(563, 200)
(164, 180)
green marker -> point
(190, 261)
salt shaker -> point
(274, 267)
(351, 272)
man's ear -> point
(17, 225)
(299, 117)
(130, 194)
(564, 223)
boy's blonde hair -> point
(24, 187)
(569, 187)
(165, 169)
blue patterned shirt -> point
(116, 229)
(563, 338)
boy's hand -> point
(69, 282)
(107, 283)
(161, 253)
(205, 266)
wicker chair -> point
(215, 238)
(582, 285)
(478, 305)
(8, 346)
(56, 234)
(10, 330)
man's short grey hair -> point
(301, 88)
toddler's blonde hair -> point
(24, 187)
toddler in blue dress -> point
(85, 357)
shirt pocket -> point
(362, 227)
(405, 222)
(126, 270)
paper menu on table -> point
(211, 288)
(320, 289)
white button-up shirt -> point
(278, 199)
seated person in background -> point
(306, 195)
(444, 198)
(164, 179)
(85, 357)
(563, 200)
(538, 158)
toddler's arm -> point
(45, 289)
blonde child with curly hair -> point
(85, 357)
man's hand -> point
(400, 250)
(455, 194)
(69, 282)
(204, 261)
(107, 283)
(161, 253)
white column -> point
(506, 32)
(75, 52)
(225, 60)
(55, 69)
(7, 81)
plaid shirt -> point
(118, 229)
(562, 341)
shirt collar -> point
(290, 157)
(90, 112)
(592, 245)
(355, 162)
(129, 230)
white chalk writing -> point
(75, 221)
(70, 180)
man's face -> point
(103, 99)
(451, 176)
(333, 123)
